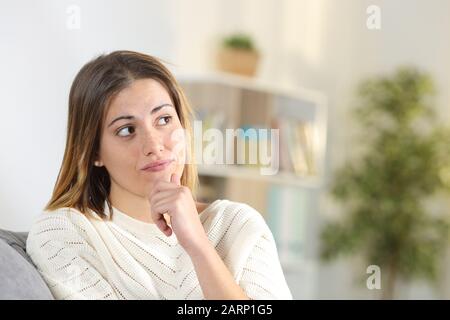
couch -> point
(19, 278)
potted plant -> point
(238, 55)
(385, 190)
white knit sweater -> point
(86, 258)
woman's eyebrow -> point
(154, 110)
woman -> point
(122, 222)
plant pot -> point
(239, 61)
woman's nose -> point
(153, 143)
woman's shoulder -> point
(225, 206)
(60, 216)
(234, 228)
(227, 213)
(58, 237)
(62, 221)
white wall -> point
(323, 44)
(39, 59)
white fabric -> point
(85, 258)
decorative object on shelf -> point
(238, 55)
(406, 162)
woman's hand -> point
(176, 200)
(214, 277)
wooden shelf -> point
(241, 172)
(256, 84)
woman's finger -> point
(161, 223)
(161, 185)
(165, 205)
(161, 195)
(157, 214)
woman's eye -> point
(164, 120)
(122, 132)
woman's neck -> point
(132, 205)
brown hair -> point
(80, 184)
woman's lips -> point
(159, 167)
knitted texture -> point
(82, 257)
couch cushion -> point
(17, 240)
(19, 278)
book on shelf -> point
(303, 132)
(296, 146)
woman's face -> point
(150, 131)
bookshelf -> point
(298, 116)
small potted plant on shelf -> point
(238, 55)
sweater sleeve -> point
(60, 249)
(262, 276)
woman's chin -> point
(152, 177)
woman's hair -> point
(80, 184)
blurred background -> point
(359, 206)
